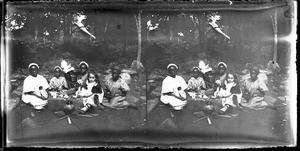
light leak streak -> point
(292, 82)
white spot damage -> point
(150, 26)
(180, 34)
(78, 21)
(213, 18)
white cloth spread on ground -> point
(37, 85)
(171, 85)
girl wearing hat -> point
(214, 79)
(174, 89)
(196, 82)
(84, 68)
(58, 82)
(221, 74)
(35, 88)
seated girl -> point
(72, 83)
(91, 93)
(254, 89)
(35, 88)
(58, 83)
(229, 92)
(116, 88)
(174, 89)
(214, 79)
(83, 73)
(196, 84)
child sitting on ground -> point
(91, 93)
(72, 83)
(229, 92)
(58, 83)
(196, 84)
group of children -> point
(217, 84)
(83, 84)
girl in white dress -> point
(229, 92)
(91, 93)
(174, 89)
(35, 88)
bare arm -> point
(34, 94)
(172, 94)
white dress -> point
(171, 85)
(88, 92)
(38, 85)
(228, 100)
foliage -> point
(50, 34)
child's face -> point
(33, 70)
(92, 78)
(57, 73)
(115, 74)
(172, 71)
(73, 77)
(230, 78)
(222, 69)
(83, 68)
(195, 73)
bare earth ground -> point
(162, 126)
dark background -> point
(114, 25)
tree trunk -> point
(273, 64)
(275, 36)
(204, 29)
(139, 30)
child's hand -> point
(80, 81)
(218, 82)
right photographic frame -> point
(221, 73)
